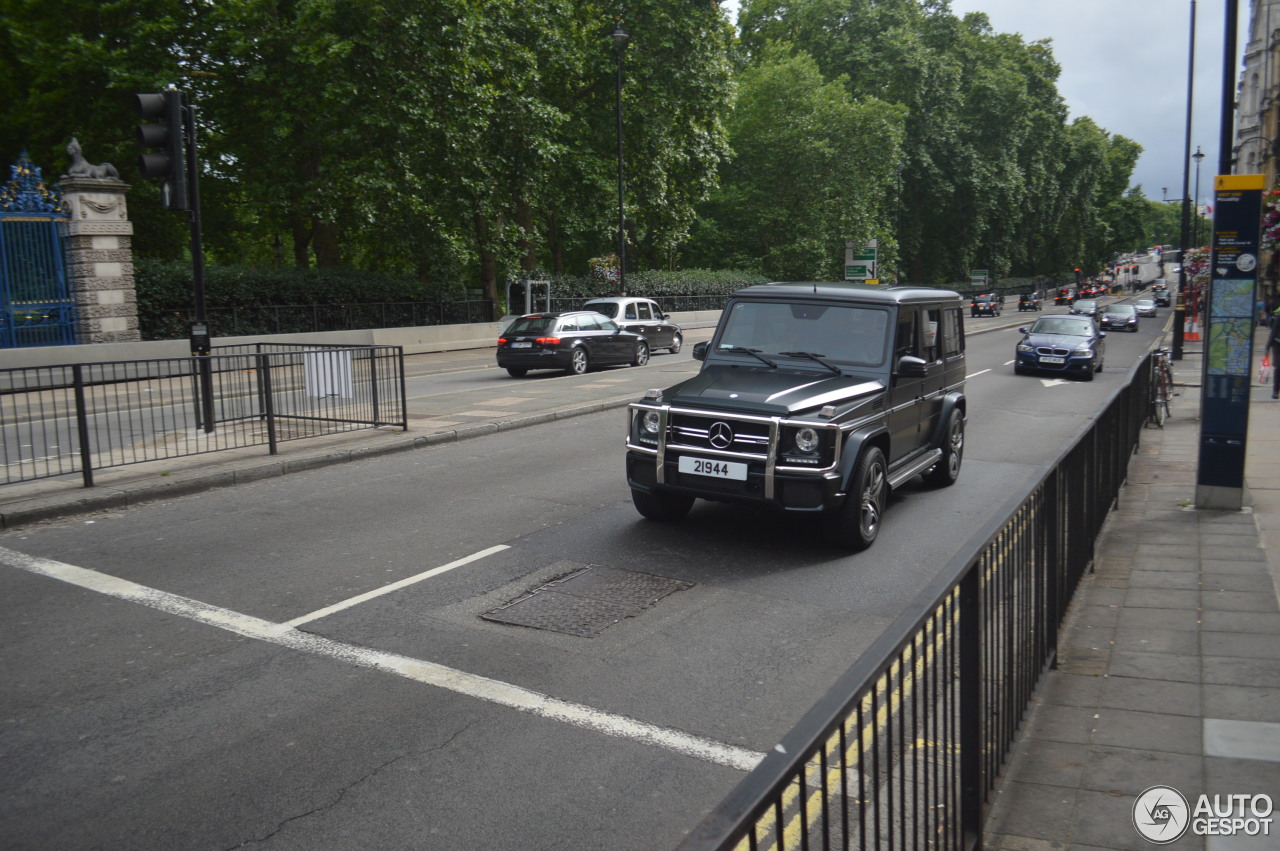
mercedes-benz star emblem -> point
(721, 435)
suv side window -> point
(952, 333)
(642, 311)
(905, 339)
(932, 330)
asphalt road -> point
(204, 672)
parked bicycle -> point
(1161, 386)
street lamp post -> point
(620, 37)
(1195, 239)
(1179, 304)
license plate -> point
(713, 468)
(522, 345)
(1053, 360)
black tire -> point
(661, 506)
(677, 340)
(517, 372)
(947, 470)
(642, 354)
(856, 523)
(579, 362)
(1088, 375)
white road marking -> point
(430, 673)
(976, 374)
(394, 586)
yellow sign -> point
(1228, 182)
(871, 281)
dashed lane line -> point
(418, 670)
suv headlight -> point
(806, 440)
(650, 423)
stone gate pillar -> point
(100, 259)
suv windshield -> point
(843, 333)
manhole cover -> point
(586, 602)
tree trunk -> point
(301, 243)
(554, 246)
(488, 259)
(528, 247)
(325, 241)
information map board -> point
(1228, 352)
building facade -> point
(1257, 142)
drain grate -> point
(587, 602)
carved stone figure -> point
(82, 168)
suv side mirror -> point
(700, 351)
(910, 366)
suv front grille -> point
(719, 434)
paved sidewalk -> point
(1168, 674)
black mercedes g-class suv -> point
(812, 397)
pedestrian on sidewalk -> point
(1273, 352)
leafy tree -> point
(810, 170)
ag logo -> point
(1160, 814)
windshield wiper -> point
(816, 357)
(755, 353)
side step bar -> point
(915, 468)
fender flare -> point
(872, 434)
(950, 402)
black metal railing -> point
(71, 418)
(251, 320)
(905, 749)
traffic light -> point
(168, 163)
(1077, 276)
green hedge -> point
(164, 290)
(654, 284)
(168, 285)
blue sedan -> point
(1062, 344)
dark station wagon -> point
(574, 342)
(812, 398)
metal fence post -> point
(268, 402)
(970, 707)
(82, 424)
(373, 384)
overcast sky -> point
(1124, 64)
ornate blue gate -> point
(36, 305)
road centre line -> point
(976, 374)
(394, 586)
(418, 670)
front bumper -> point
(794, 492)
(1072, 363)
